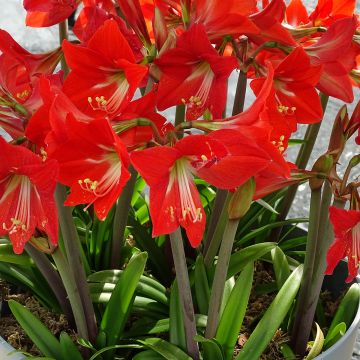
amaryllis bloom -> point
(346, 225)
(93, 163)
(197, 72)
(336, 53)
(294, 88)
(47, 13)
(269, 22)
(141, 109)
(104, 75)
(27, 205)
(169, 171)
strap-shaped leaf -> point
(212, 349)
(36, 330)
(271, 320)
(317, 345)
(281, 266)
(336, 334)
(245, 256)
(234, 312)
(68, 348)
(7, 255)
(118, 308)
(164, 348)
(347, 308)
(202, 290)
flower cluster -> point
(86, 129)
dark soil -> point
(12, 332)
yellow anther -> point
(23, 95)
(43, 154)
(204, 158)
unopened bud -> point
(241, 199)
(322, 167)
(160, 28)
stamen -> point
(188, 207)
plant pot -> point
(7, 352)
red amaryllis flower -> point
(27, 204)
(346, 225)
(46, 13)
(222, 18)
(169, 171)
(93, 163)
(141, 109)
(294, 87)
(44, 63)
(197, 72)
(269, 22)
(336, 53)
(104, 74)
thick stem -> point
(219, 202)
(299, 335)
(120, 219)
(221, 270)
(217, 235)
(53, 279)
(63, 35)
(72, 292)
(182, 276)
(221, 195)
(301, 162)
(179, 118)
(73, 254)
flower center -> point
(112, 104)
(199, 99)
(21, 218)
(107, 182)
(280, 144)
(181, 173)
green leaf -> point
(271, 320)
(164, 348)
(247, 255)
(287, 352)
(202, 289)
(255, 233)
(335, 335)
(177, 329)
(234, 312)
(148, 326)
(112, 348)
(7, 255)
(317, 345)
(281, 266)
(118, 308)
(212, 349)
(347, 308)
(36, 330)
(148, 355)
(266, 206)
(68, 348)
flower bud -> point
(241, 199)
(322, 166)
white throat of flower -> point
(21, 218)
(181, 174)
(108, 181)
(202, 70)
